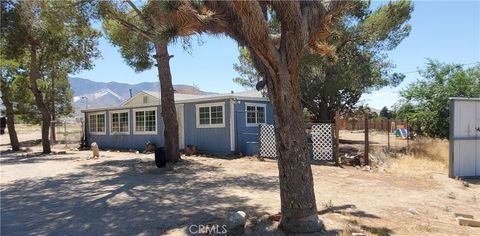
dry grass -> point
(415, 166)
(431, 149)
(425, 156)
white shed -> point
(464, 137)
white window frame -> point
(111, 121)
(135, 120)
(197, 108)
(249, 104)
(104, 123)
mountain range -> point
(107, 94)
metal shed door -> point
(466, 137)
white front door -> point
(181, 131)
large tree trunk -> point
(299, 210)
(12, 133)
(34, 75)
(169, 112)
(52, 131)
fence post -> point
(65, 133)
(366, 159)
(408, 134)
(337, 139)
(388, 135)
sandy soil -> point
(124, 193)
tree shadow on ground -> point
(347, 209)
(26, 143)
(16, 158)
(125, 197)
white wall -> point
(464, 137)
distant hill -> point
(107, 94)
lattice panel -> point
(322, 140)
(267, 141)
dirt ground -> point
(123, 193)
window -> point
(255, 114)
(145, 99)
(119, 122)
(211, 115)
(145, 121)
(96, 123)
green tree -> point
(277, 58)
(58, 96)
(136, 32)
(425, 102)
(386, 113)
(9, 72)
(50, 35)
(360, 42)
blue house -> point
(216, 123)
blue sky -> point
(448, 31)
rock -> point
(413, 211)
(366, 168)
(236, 220)
(358, 234)
(451, 195)
(95, 150)
(466, 184)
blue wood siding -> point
(246, 134)
(208, 140)
(128, 141)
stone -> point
(236, 220)
(95, 150)
(413, 211)
(358, 234)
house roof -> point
(180, 98)
(183, 96)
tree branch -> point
(139, 13)
(318, 18)
(129, 25)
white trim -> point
(259, 99)
(111, 121)
(181, 125)
(254, 99)
(104, 122)
(135, 120)
(232, 125)
(197, 114)
(247, 104)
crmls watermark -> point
(208, 229)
